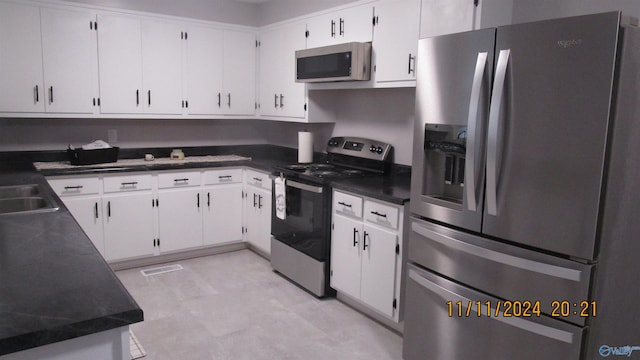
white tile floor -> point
(233, 306)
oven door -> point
(305, 225)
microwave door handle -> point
(471, 165)
(518, 322)
(494, 132)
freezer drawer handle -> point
(472, 164)
(499, 257)
(526, 325)
(493, 142)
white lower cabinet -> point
(88, 213)
(366, 252)
(128, 225)
(257, 210)
(222, 215)
(144, 214)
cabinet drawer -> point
(381, 214)
(222, 176)
(258, 179)
(127, 183)
(347, 204)
(75, 186)
(178, 179)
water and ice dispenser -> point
(445, 147)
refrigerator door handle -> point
(494, 132)
(471, 164)
(518, 322)
(499, 257)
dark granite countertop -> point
(394, 189)
(54, 285)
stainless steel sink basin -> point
(25, 205)
(18, 191)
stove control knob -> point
(379, 150)
(372, 148)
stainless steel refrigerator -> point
(524, 196)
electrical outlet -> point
(112, 136)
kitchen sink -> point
(31, 204)
(18, 191)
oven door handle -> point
(297, 185)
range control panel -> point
(359, 147)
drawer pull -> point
(77, 187)
(257, 179)
(379, 214)
(181, 180)
(344, 204)
(225, 177)
(130, 183)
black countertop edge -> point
(50, 336)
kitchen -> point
(382, 114)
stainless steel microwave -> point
(342, 62)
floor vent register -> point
(161, 270)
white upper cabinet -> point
(239, 78)
(70, 61)
(21, 80)
(395, 40)
(280, 95)
(342, 26)
(439, 17)
(140, 64)
(162, 43)
(64, 55)
(204, 70)
(120, 64)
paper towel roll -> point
(305, 147)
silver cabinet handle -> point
(518, 322)
(411, 69)
(498, 257)
(472, 164)
(494, 132)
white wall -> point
(227, 11)
(527, 10)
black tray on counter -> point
(95, 156)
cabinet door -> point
(70, 61)
(180, 219)
(162, 67)
(322, 30)
(395, 39)
(21, 80)
(128, 225)
(271, 70)
(222, 220)
(88, 213)
(120, 65)
(239, 73)
(439, 17)
(293, 97)
(204, 70)
(346, 245)
(379, 269)
(258, 218)
(355, 24)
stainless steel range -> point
(300, 225)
